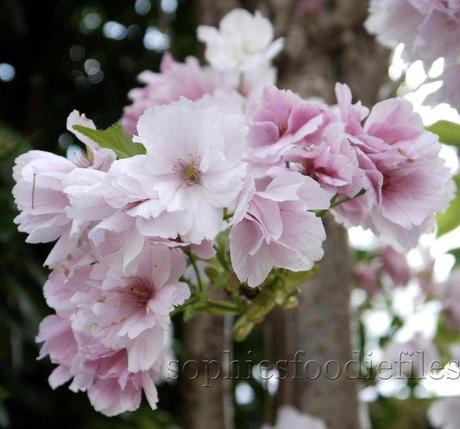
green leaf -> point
(114, 138)
(450, 219)
(294, 280)
(448, 132)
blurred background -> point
(56, 56)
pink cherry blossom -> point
(290, 418)
(446, 94)
(60, 345)
(414, 357)
(175, 80)
(88, 191)
(280, 120)
(445, 413)
(395, 264)
(410, 182)
(100, 158)
(365, 276)
(277, 230)
(103, 373)
(428, 30)
(110, 335)
(85, 186)
(39, 196)
(450, 296)
(254, 81)
(192, 170)
(242, 42)
(130, 308)
(412, 193)
(124, 207)
(333, 162)
(44, 183)
(112, 395)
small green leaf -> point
(448, 132)
(450, 219)
(294, 280)
(114, 138)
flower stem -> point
(195, 269)
(225, 306)
(334, 203)
(344, 200)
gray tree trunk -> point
(206, 387)
(318, 331)
(321, 48)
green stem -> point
(321, 213)
(181, 307)
(207, 304)
(221, 259)
(222, 305)
(344, 200)
(195, 269)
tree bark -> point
(322, 47)
(318, 333)
(206, 387)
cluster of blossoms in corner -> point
(429, 29)
(212, 150)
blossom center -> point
(283, 128)
(140, 291)
(310, 170)
(191, 173)
(246, 48)
(188, 172)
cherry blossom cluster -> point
(208, 152)
(429, 29)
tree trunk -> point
(206, 387)
(318, 334)
(325, 43)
